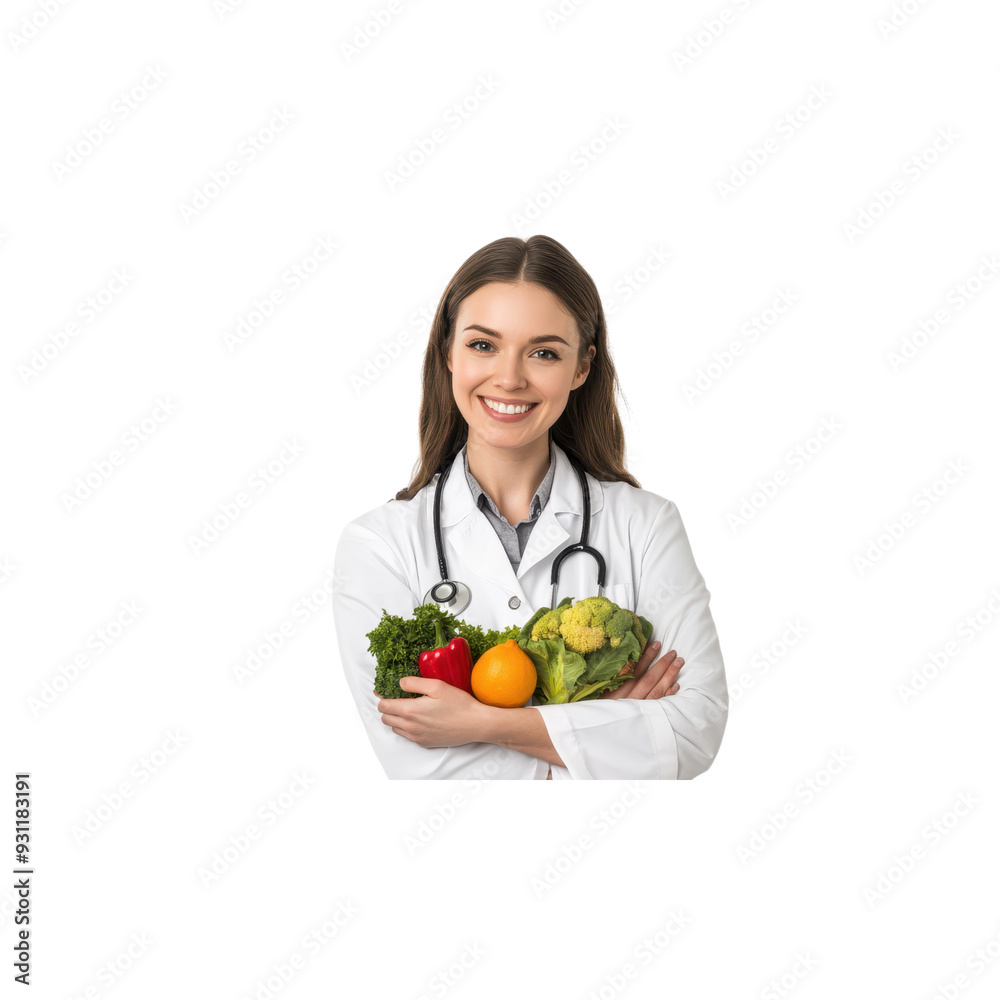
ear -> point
(585, 366)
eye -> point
(546, 350)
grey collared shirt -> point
(514, 537)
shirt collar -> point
(457, 502)
(538, 501)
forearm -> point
(521, 729)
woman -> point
(521, 324)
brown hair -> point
(589, 428)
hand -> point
(654, 681)
(445, 716)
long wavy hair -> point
(589, 428)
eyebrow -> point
(534, 340)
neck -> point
(511, 476)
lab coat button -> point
(514, 602)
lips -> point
(507, 416)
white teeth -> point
(506, 408)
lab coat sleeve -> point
(369, 578)
(676, 736)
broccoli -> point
(590, 623)
(547, 626)
(581, 650)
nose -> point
(509, 373)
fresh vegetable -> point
(448, 661)
(504, 676)
(397, 642)
(584, 649)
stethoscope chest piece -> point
(450, 595)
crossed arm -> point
(446, 716)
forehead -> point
(522, 310)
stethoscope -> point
(454, 597)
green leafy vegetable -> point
(397, 642)
(582, 650)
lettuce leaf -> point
(566, 676)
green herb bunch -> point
(396, 643)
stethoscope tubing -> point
(451, 587)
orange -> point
(504, 676)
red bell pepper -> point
(451, 663)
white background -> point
(820, 907)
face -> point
(514, 344)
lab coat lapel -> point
(562, 516)
(469, 537)
(467, 534)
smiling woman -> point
(519, 394)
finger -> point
(392, 721)
(622, 691)
(654, 675)
(667, 685)
(414, 684)
(662, 674)
(642, 666)
(649, 655)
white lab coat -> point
(386, 559)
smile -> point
(505, 409)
